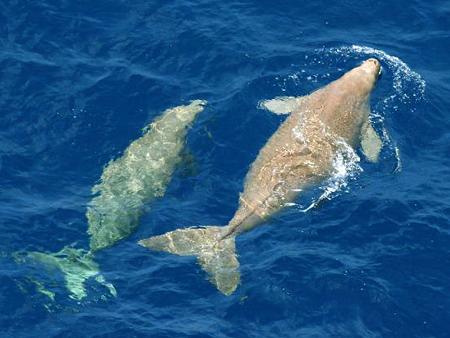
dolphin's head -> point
(358, 82)
(347, 99)
(365, 76)
(372, 68)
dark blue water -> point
(80, 79)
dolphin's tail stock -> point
(76, 265)
(215, 254)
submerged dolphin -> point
(139, 176)
(127, 184)
(298, 155)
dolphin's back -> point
(296, 156)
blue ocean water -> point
(79, 81)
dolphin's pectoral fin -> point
(370, 142)
(215, 255)
(281, 105)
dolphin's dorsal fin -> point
(281, 105)
(370, 142)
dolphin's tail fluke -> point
(76, 265)
(217, 256)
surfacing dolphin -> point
(299, 154)
(127, 184)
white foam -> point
(345, 168)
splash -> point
(345, 168)
(407, 85)
(403, 75)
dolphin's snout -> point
(372, 66)
(374, 61)
(377, 65)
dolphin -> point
(300, 154)
(138, 177)
(127, 185)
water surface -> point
(79, 81)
